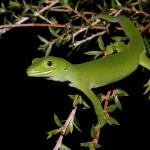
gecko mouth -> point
(38, 73)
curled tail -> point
(135, 40)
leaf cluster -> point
(76, 25)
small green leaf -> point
(64, 147)
(91, 147)
(86, 144)
(14, 4)
(112, 121)
(52, 132)
(98, 146)
(43, 39)
(77, 127)
(93, 53)
(64, 2)
(72, 96)
(121, 92)
(42, 47)
(101, 43)
(57, 120)
(86, 105)
(77, 5)
(111, 108)
(49, 48)
(53, 20)
(118, 102)
(118, 38)
(110, 48)
(53, 32)
(76, 124)
(60, 41)
(93, 132)
(69, 128)
(2, 10)
(120, 46)
(77, 100)
(118, 3)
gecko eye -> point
(49, 63)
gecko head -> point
(53, 68)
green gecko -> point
(99, 72)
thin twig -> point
(100, 7)
(84, 29)
(48, 25)
(54, 2)
(63, 129)
(37, 14)
(76, 44)
(23, 19)
(115, 12)
(59, 142)
(79, 14)
(96, 139)
(106, 98)
(142, 30)
(32, 25)
(134, 3)
(136, 11)
(64, 10)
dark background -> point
(30, 102)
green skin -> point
(99, 72)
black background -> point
(30, 102)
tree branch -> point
(64, 127)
